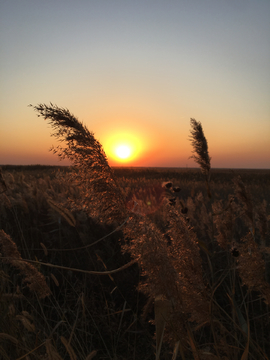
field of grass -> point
(108, 314)
(133, 263)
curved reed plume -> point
(101, 195)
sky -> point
(135, 72)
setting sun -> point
(123, 151)
(122, 147)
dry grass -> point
(199, 280)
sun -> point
(123, 151)
(123, 148)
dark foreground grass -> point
(108, 314)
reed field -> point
(132, 263)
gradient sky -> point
(139, 70)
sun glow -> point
(123, 151)
(122, 148)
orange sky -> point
(137, 72)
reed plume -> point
(185, 254)
(224, 220)
(172, 271)
(32, 277)
(262, 222)
(3, 185)
(102, 196)
(200, 148)
(251, 266)
(246, 210)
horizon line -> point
(139, 167)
